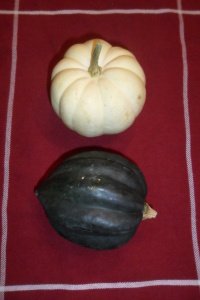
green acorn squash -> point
(95, 199)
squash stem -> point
(94, 69)
(148, 212)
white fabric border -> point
(100, 286)
(7, 149)
(188, 145)
(92, 286)
(98, 12)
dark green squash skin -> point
(95, 199)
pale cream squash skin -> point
(104, 104)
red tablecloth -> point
(162, 260)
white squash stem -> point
(94, 69)
(148, 212)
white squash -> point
(98, 89)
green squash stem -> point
(94, 69)
(148, 212)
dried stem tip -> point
(94, 69)
(148, 213)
